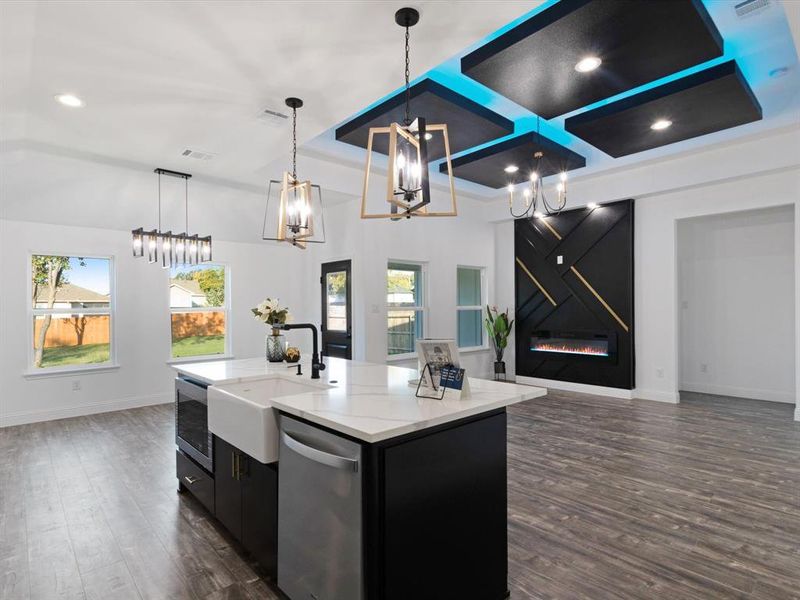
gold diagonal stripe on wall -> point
(534, 280)
(544, 222)
(600, 298)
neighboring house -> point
(186, 293)
(400, 296)
(72, 296)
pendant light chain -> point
(159, 202)
(186, 198)
(294, 143)
(408, 76)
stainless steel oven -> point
(191, 422)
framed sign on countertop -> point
(436, 354)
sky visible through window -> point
(94, 276)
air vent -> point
(197, 154)
(749, 8)
(273, 117)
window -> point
(469, 302)
(405, 300)
(198, 303)
(71, 312)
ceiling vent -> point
(750, 8)
(197, 154)
(273, 117)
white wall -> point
(441, 243)
(142, 326)
(757, 173)
(736, 293)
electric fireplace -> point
(566, 345)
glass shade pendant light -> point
(534, 199)
(172, 248)
(295, 217)
(408, 190)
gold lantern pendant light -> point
(295, 222)
(408, 185)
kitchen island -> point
(380, 494)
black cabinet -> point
(246, 500)
(260, 511)
(228, 492)
(436, 507)
(194, 479)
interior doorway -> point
(337, 309)
(736, 303)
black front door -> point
(337, 326)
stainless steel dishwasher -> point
(319, 515)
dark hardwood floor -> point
(607, 499)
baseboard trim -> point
(657, 396)
(569, 386)
(739, 392)
(37, 416)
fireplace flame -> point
(568, 348)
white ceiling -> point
(159, 77)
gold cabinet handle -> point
(190, 480)
(233, 465)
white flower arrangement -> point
(271, 313)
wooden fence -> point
(197, 323)
(94, 329)
(74, 330)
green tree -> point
(212, 283)
(401, 281)
(49, 274)
(336, 284)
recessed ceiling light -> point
(589, 63)
(511, 169)
(70, 100)
(660, 124)
(592, 205)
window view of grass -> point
(198, 345)
(86, 354)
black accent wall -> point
(589, 295)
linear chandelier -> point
(295, 218)
(172, 248)
(408, 185)
(533, 194)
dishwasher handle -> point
(325, 458)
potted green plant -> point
(270, 313)
(498, 326)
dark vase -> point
(499, 370)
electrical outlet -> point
(375, 309)
(76, 385)
(559, 260)
(660, 373)
(703, 368)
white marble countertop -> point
(367, 401)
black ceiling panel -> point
(639, 41)
(711, 100)
(469, 124)
(486, 166)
